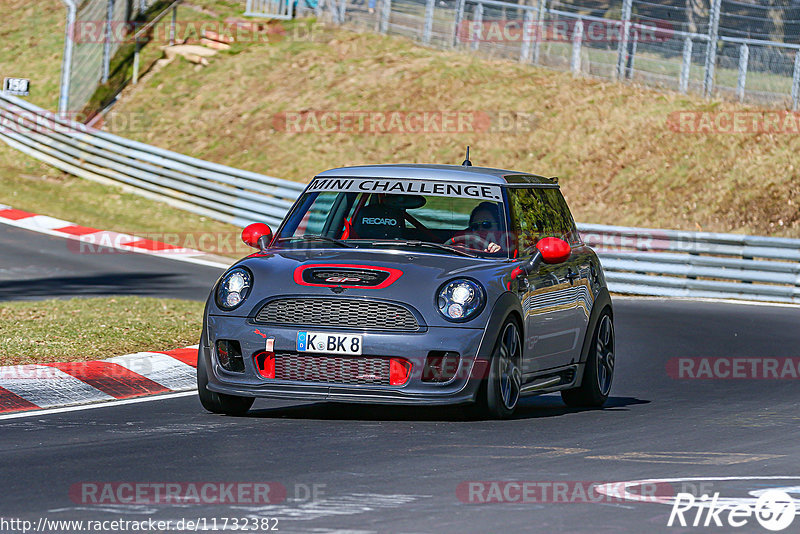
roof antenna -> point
(467, 162)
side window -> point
(563, 225)
(540, 212)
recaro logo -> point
(377, 220)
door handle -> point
(523, 282)
(571, 276)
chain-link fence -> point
(96, 31)
(738, 49)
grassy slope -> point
(95, 328)
(610, 144)
(618, 161)
(31, 46)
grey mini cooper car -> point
(412, 284)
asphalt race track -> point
(398, 470)
(36, 266)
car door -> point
(548, 299)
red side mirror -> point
(553, 249)
(257, 235)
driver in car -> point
(484, 228)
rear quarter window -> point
(539, 212)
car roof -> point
(448, 173)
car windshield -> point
(425, 215)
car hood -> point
(422, 274)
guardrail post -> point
(478, 26)
(577, 39)
(711, 50)
(796, 82)
(428, 28)
(622, 50)
(527, 35)
(386, 10)
(686, 66)
(107, 40)
(744, 56)
(538, 33)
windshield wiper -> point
(416, 243)
(316, 237)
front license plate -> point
(328, 343)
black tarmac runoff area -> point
(39, 266)
(692, 410)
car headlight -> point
(234, 288)
(460, 299)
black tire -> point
(218, 402)
(598, 373)
(500, 392)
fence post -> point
(632, 56)
(386, 10)
(796, 82)
(744, 56)
(539, 32)
(107, 40)
(577, 39)
(711, 50)
(622, 50)
(527, 35)
(428, 28)
(172, 26)
(135, 77)
(478, 23)
(66, 61)
(686, 66)
(457, 30)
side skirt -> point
(553, 380)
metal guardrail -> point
(639, 261)
(224, 193)
(671, 263)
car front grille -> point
(338, 313)
(332, 369)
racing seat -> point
(378, 221)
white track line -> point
(701, 299)
(39, 413)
